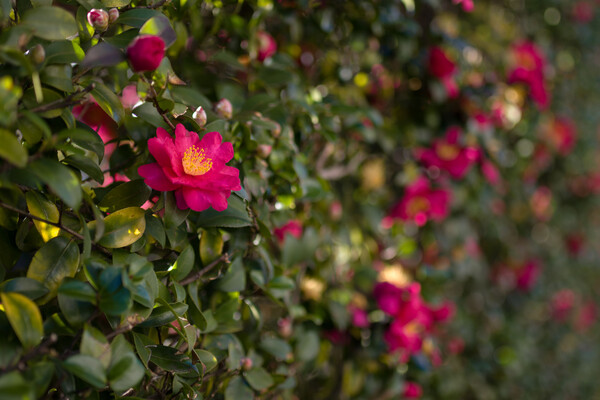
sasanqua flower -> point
(195, 169)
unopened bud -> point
(38, 54)
(264, 150)
(200, 117)
(224, 108)
(98, 19)
(113, 15)
(285, 327)
(246, 363)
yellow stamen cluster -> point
(195, 162)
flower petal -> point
(155, 177)
(196, 199)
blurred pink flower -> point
(192, 167)
(412, 390)
(583, 11)
(527, 275)
(440, 66)
(561, 134)
(448, 155)
(586, 317)
(490, 172)
(266, 45)
(541, 203)
(529, 70)
(420, 204)
(293, 227)
(359, 317)
(467, 5)
(561, 304)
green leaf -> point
(25, 286)
(281, 283)
(184, 264)
(278, 348)
(86, 165)
(32, 100)
(168, 359)
(61, 180)
(64, 52)
(115, 3)
(55, 261)
(11, 150)
(24, 317)
(155, 228)
(103, 55)
(122, 228)
(173, 215)
(126, 373)
(58, 76)
(141, 343)
(237, 389)
(160, 26)
(33, 127)
(14, 387)
(39, 375)
(148, 113)
(163, 315)
(207, 359)
(235, 216)
(190, 97)
(95, 344)
(308, 345)
(211, 246)
(129, 194)
(87, 368)
(115, 299)
(77, 290)
(41, 207)
(50, 23)
(234, 279)
(137, 17)
(258, 378)
(109, 102)
(85, 137)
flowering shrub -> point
(299, 199)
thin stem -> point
(58, 225)
(194, 276)
(67, 101)
(33, 353)
(154, 99)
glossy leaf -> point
(50, 23)
(87, 368)
(61, 180)
(11, 150)
(128, 194)
(122, 228)
(41, 207)
(24, 317)
(25, 286)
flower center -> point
(195, 162)
(447, 151)
(417, 205)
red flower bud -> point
(200, 117)
(98, 19)
(113, 15)
(146, 52)
(224, 108)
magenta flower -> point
(529, 70)
(440, 66)
(266, 45)
(412, 390)
(192, 167)
(467, 5)
(146, 52)
(561, 134)
(420, 204)
(448, 155)
(561, 304)
(293, 227)
(360, 319)
(527, 275)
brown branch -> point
(154, 98)
(67, 101)
(57, 224)
(31, 354)
(197, 275)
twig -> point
(36, 351)
(67, 101)
(194, 276)
(58, 225)
(154, 99)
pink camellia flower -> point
(293, 227)
(448, 155)
(490, 172)
(266, 45)
(388, 297)
(586, 316)
(440, 66)
(98, 19)
(146, 52)
(467, 5)
(561, 304)
(192, 167)
(360, 318)
(541, 203)
(224, 108)
(412, 390)
(420, 204)
(113, 15)
(583, 11)
(528, 69)
(527, 275)
(560, 134)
